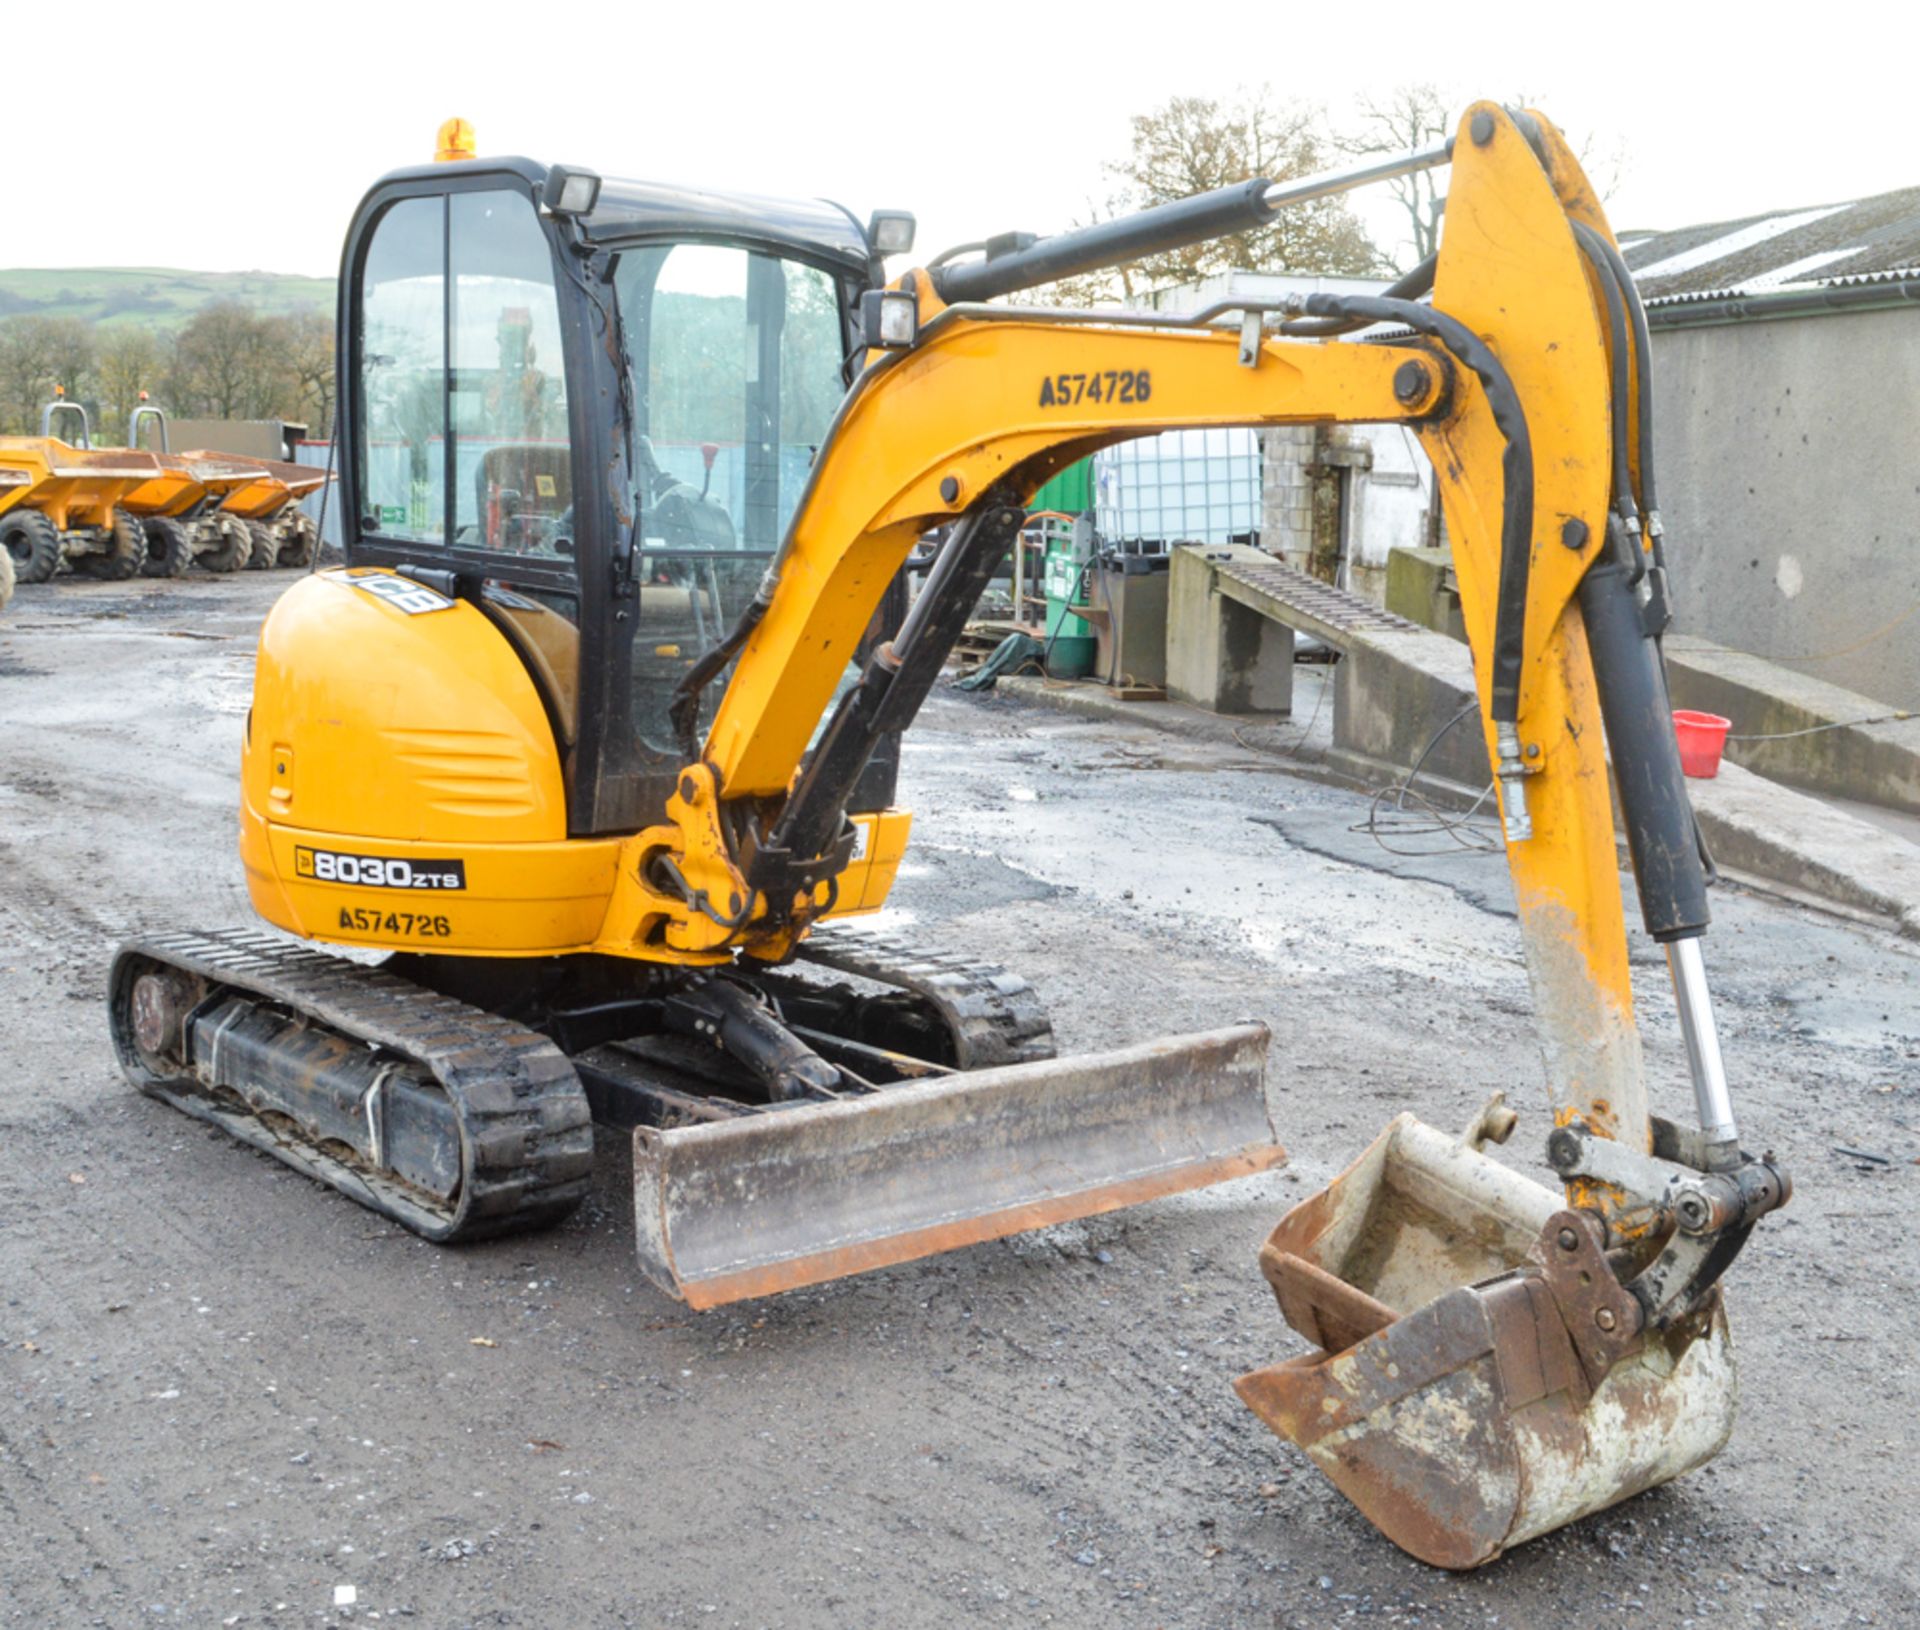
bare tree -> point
(37, 356)
(218, 362)
(131, 360)
(1397, 121)
(228, 362)
(1421, 114)
(306, 346)
(1193, 144)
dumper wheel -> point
(118, 551)
(297, 540)
(33, 541)
(128, 552)
(229, 545)
(263, 548)
(169, 548)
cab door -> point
(463, 424)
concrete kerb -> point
(1816, 742)
(1762, 829)
(1176, 718)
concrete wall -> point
(1789, 464)
(252, 438)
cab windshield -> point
(736, 370)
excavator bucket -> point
(802, 1193)
(1464, 1392)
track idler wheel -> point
(158, 1007)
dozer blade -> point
(1466, 1395)
(808, 1192)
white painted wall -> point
(1391, 500)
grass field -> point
(157, 296)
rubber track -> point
(522, 1110)
(996, 1017)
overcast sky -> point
(980, 118)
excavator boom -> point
(1584, 1336)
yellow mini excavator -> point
(596, 733)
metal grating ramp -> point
(1288, 595)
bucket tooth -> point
(1447, 1397)
(803, 1193)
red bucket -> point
(1701, 736)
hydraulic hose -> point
(1516, 467)
(1628, 510)
(1643, 363)
(1623, 296)
(1410, 285)
(683, 710)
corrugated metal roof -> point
(1830, 245)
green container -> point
(1070, 492)
(1070, 643)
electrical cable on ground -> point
(1427, 818)
(1896, 716)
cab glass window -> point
(403, 364)
(736, 361)
(513, 471)
(471, 451)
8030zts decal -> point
(378, 871)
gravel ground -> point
(230, 1397)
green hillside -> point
(154, 296)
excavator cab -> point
(607, 413)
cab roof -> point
(627, 211)
(646, 209)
